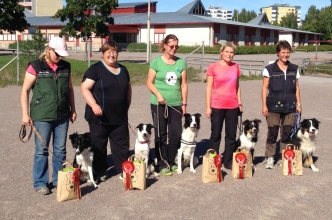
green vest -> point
(50, 100)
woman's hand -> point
(73, 116)
(265, 111)
(208, 112)
(299, 109)
(26, 120)
(97, 110)
(161, 99)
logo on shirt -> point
(171, 78)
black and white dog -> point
(305, 138)
(83, 156)
(249, 136)
(142, 148)
(185, 156)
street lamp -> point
(148, 38)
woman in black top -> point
(106, 89)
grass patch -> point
(138, 72)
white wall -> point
(286, 36)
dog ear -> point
(87, 135)
(314, 119)
(150, 126)
(140, 125)
(198, 115)
(73, 136)
(245, 122)
(257, 121)
(186, 115)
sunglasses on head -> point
(173, 46)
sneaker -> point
(166, 172)
(43, 190)
(174, 168)
(121, 176)
(269, 163)
(279, 162)
(103, 176)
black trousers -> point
(170, 127)
(230, 116)
(118, 135)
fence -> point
(315, 67)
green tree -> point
(289, 21)
(244, 15)
(12, 17)
(311, 19)
(86, 17)
(325, 22)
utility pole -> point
(148, 38)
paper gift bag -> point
(138, 176)
(68, 184)
(292, 161)
(242, 164)
(211, 168)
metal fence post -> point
(202, 61)
(17, 62)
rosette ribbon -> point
(76, 178)
(217, 162)
(128, 167)
(289, 155)
(241, 159)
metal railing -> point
(315, 67)
(201, 60)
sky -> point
(174, 5)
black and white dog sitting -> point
(185, 156)
(249, 136)
(83, 156)
(142, 148)
(305, 138)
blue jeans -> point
(40, 167)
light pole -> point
(148, 37)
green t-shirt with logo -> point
(168, 80)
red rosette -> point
(76, 179)
(289, 155)
(241, 159)
(128, 167)
(217, 162)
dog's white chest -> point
(84, 160)
(247, 142)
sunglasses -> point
(173, 46)
(56, 54)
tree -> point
(12, 17)
(311, 19)
(86, 17)
(325, 22)
(244, 15)
(289, 21)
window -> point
(158, 38)
(67, 38)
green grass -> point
(138, 72)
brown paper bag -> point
(247, 166)
(209, 169)
(296, 163)
(68, 184)
(138, 176)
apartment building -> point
(277, 11)
(42, 7)
(218, 12)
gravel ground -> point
(268, 195)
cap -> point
(59, 45)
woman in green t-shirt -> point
(167, 81)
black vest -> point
(282, 92)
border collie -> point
(185, 156)
(305, 138)
(249, 136)
(83, 156)
(142, 148)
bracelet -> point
(298, 104)
(184, 104)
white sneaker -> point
(269, 163)
(121, 176)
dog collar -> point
(143, 142)
(187, 142)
